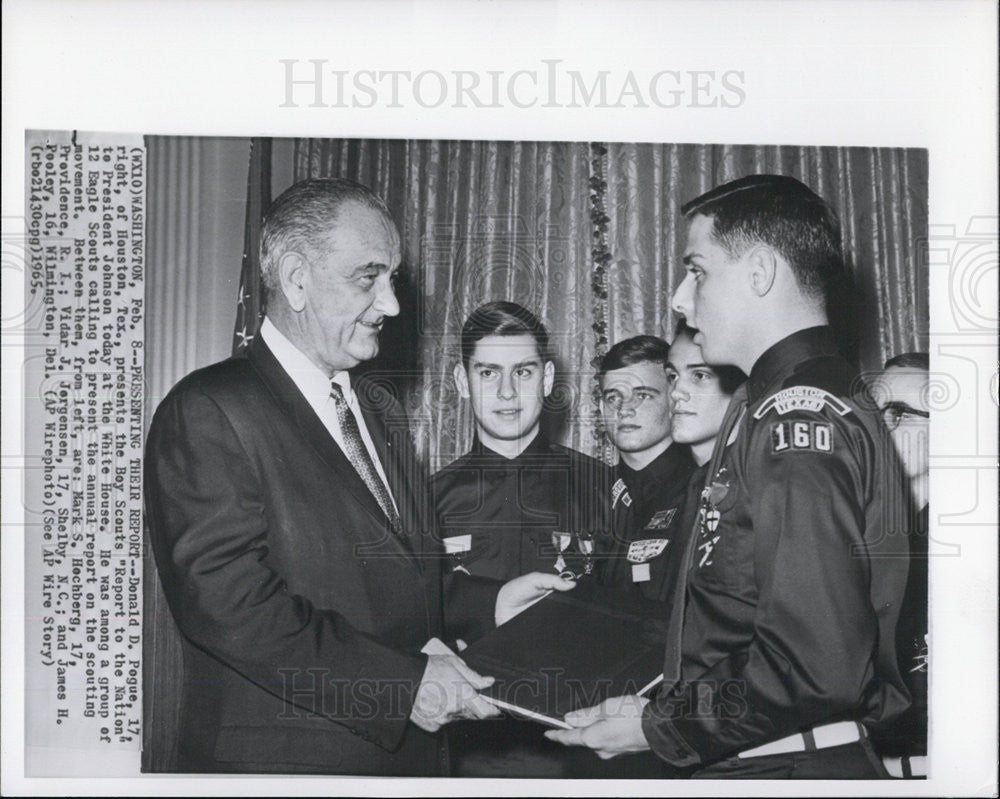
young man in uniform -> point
(700, 395)
(663, 407)
(652, 472)
(500, 506)
(797, 569)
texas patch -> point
(801, 398)
(641, 551)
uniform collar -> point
(780, 360)
(539, 446)
(664, 468)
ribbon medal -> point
(711, 496)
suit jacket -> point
(302, 614)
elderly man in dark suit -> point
(291, 530)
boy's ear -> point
(461, 380)
(548, 377)
(763, 265)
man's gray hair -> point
(301, 216)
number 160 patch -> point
(790, 436)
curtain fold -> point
(880, 196)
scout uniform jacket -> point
(647, 554)
(796, 570)
(497, 515)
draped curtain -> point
(529, 222)
(880, 196)
(480, 222)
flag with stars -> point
(250, 303)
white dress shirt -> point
(315, 387)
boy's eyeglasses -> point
(894, 413)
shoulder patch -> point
(801, 398)
(619, 491)
(797, 435)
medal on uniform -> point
(584, 545)
(711, 496)
(585, 542)
(704, 509)
(560, 541)
(712, 517)
(719, 488)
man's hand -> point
(611, 728)
(448, 691)
(522, 592)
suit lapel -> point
(390, 433)
(314, 432)
(398, 462)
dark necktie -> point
(357, 454)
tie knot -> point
(336, 391)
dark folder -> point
(572, 650)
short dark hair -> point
(631, 351)
(910, 360)
(502, 318)
(783, 213)
(302, 214)
(730, 377)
